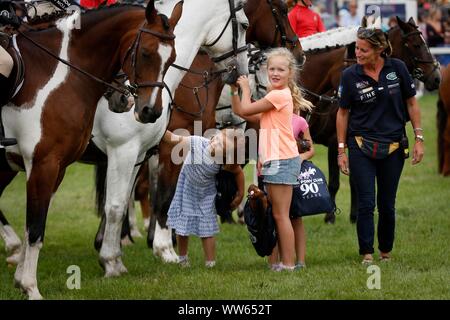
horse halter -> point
(279, 28)
(417, 72)
(234, 25)
(134, 87)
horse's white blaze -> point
(24, 123)
(164, 51)
(162, 244)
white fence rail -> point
(440, 50)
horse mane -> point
(328, 40)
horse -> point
(443, 123)
(49, 136)
(268, 27)
(219, 28)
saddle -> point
(16, 78)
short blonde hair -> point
(300, 103)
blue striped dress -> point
(193, 210)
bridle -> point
(126, 90)
(417, 71)
(134, 87)
(234, 26)
(279, 28)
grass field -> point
(420, 268)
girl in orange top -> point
(277, 146)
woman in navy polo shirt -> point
(376, 100)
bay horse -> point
(219, 28)
(53, 113)
(408, 45)
(268, 27)
(443, 123)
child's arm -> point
(174, 139)
(240, 182)
(310, 153)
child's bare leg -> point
(209, 249)
(183, 242)
(300, 240)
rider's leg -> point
(6, 65)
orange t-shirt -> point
(276, 140)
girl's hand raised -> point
(242, 81)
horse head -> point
(148, 58)
(269, 27)
(227, 34)
(410, 46)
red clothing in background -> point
(305, 22)
(91, 4)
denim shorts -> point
(285, 171)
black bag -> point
(311, 196)
(226, 190)
(261, 228)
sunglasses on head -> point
(365, 33)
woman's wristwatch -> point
(419, 137)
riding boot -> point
(4, 141)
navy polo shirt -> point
(378, 110)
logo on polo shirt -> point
(362, 84)
(391, 76)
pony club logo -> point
(391, 76)
(4, 13)
(306, 175)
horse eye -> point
(417, 46)
(244, 26)
(145, 54)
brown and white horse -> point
(52, 116)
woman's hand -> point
(417, 152)
(343, 163)
(236, 201)
(242, 81)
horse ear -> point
(176, 13)
(411, 21)
(364, 22)
(400, 22)
(150, 11)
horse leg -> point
(120, 173)
(159, 235)
(441, 118)
(153, 172)
(333, 185)
(446, 165)
(135, 233)
(43, 181)
(12, 241)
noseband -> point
(234, 26)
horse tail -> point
(441, 124)
(100, 187)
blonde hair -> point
(300, 103)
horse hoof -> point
(135, 233)
(126, 241)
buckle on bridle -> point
(132, 90)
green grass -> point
(420, 267)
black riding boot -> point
(4, 141)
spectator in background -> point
(304, 21)
(92, 4)
(348, 18)
(392, 23)
(435, 28)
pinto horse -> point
(268, 27)
(407, 44)
(52, 115)
(443, 119)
